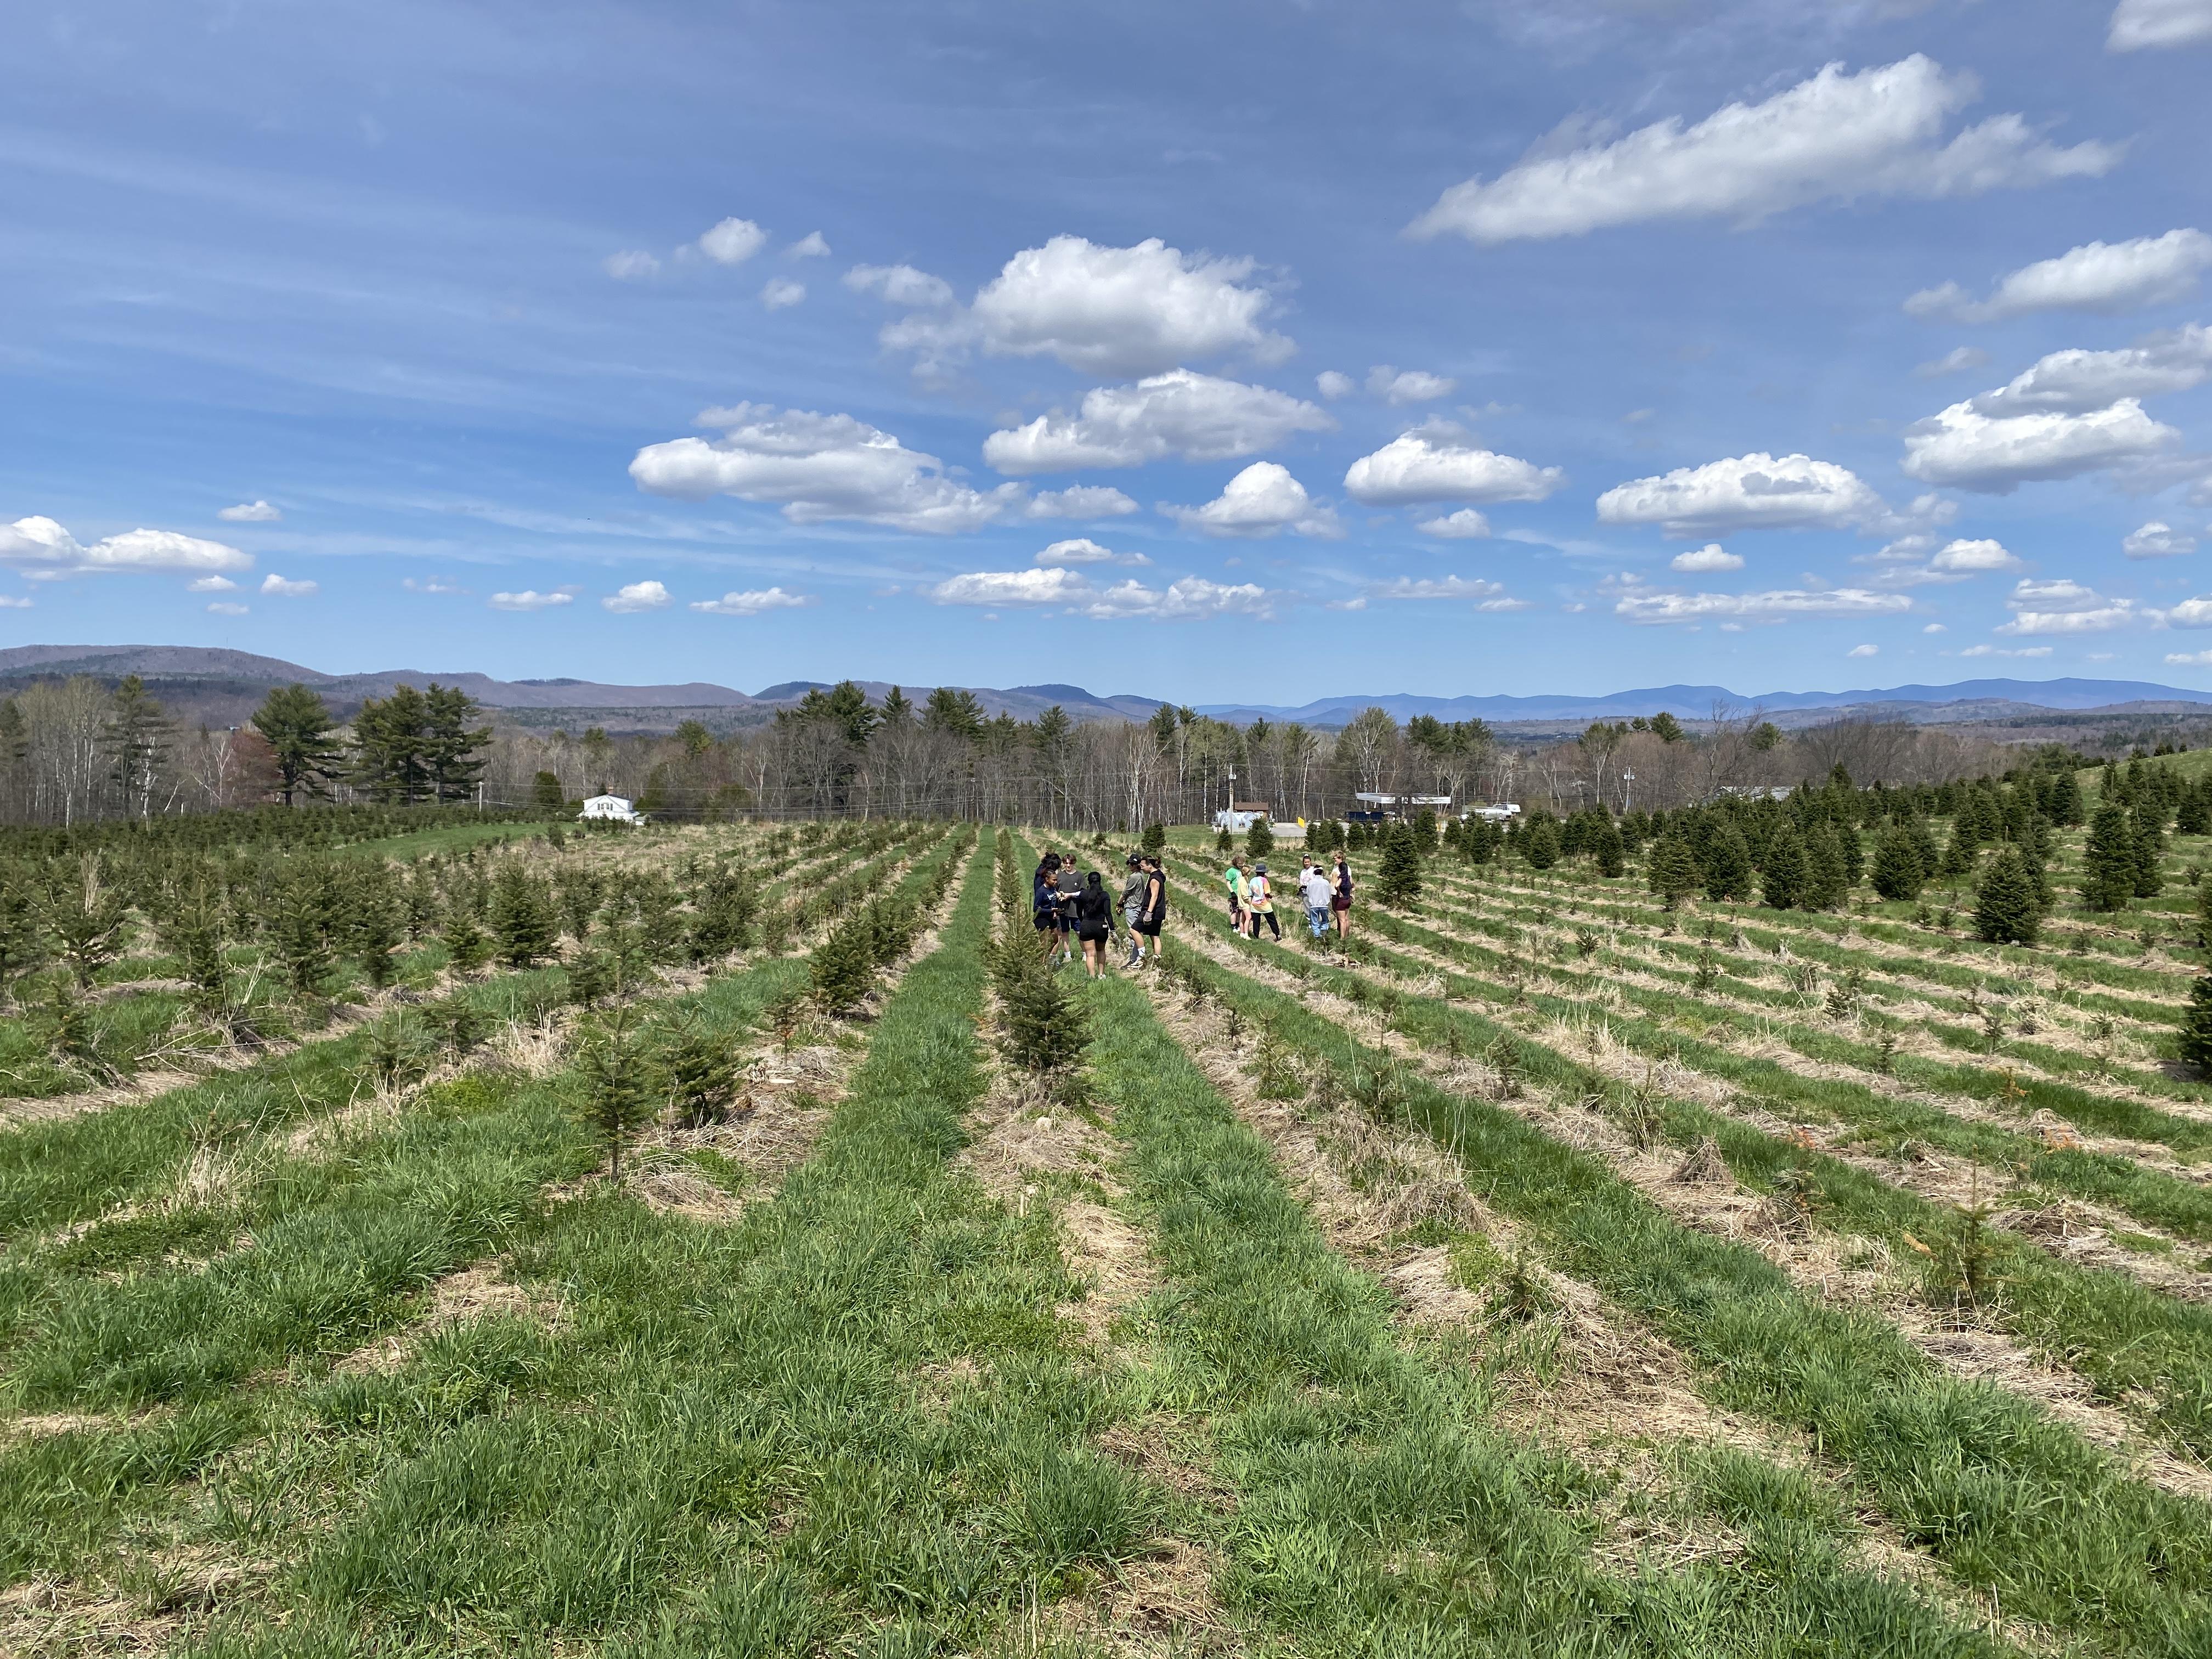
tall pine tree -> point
(302, 739)
(2108, 859)
(1783, 883)
(2006, 910)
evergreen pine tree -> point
(1604, 846)
(546, 793)
(1853, 849)
(1898, 872)
(617, 1098)
(466, 948)
(1783, 883)
(1398, 881)
(2065, 803)
(1154, 838)
(2108, 859)
(1259, 839)
(1958, 852)
(1726, 863)
(2005, 908)
(372, 922)
(302, 741)
(1540, 846)
(302, 942)
(1673, 875)
(138, 741)
(2197, 1026)
(1824, 881)
(522, 916)
(2143, 822)
(2194, 817)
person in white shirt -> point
(1316, 890)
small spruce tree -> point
(1673, 875)
(1826, 882)
(2148, 843)
(1259, 839)
(1398, 881)
(2108, 859)
(466, 947)
(617, 1098)
(522, 916)
(1606, 848)
(2197, 1026)
(1781, 885)
(1726, 865)
(1540, 845)
(2006, 911)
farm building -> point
(613, 809)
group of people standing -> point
(1326, 894)
(1071, 906)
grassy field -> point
(1542, 1270)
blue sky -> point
(1239, 350)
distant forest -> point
(78, 750)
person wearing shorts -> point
(1260, 901)
(1340, 902)
(1094, 924)
(1156, 905)
(1133, 886)
(1070, 889)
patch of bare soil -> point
(474, 1293)
(1159, 1604)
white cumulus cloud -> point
(1199, 417)
(755, 601)
(2062, 605)
(1757, 491)
(1965, 449)
(274, 584)
(633, 597)
(1412, 385)
(1332, 384)
(1440, 464)
(2157, 540)
(817, 468)
(733, 241)
(809, 247)
(42, 549)
(1262, 500)
(1863, 651)
(1189, 598)
(530, 599)
(1712, 556)
(779, 293)
(1044, 585)
(1137, 310)
(1836, 136)
(1081, 550)
(1467, 524)
(1081, 501)
(631, 264)
(2137, 24)
(2106, 278)
(2076, 382)
(250, 513)
(211, 584)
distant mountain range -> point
(219, 683)
(216, 683)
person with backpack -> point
(1260, 901)
(1094, 923)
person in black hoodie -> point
(1094, 924)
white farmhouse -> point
(613, 809)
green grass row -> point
(2010, 1502)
